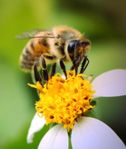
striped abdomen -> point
(32, 52)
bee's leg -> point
(53, 71)
(84, 64)
(36, 74)
(44, 69)
(76, 64)
(62, 65)
(72, 67)
(76, 69)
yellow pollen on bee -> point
(63, 101)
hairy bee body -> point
(53, 46)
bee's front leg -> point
(84, 64)
(53, 71)
(76, 63)
(62, 65)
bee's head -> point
(76, 49)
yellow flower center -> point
(63, 101)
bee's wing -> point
(28, 34)
(33, 34)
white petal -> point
(111, 83)
(91, 133)
(36, 125)
(55, 138)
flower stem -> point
(69, 140)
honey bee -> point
(62, 44)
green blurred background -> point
(103, 21)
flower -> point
(86, 132)
(62, 101)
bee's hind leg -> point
(44, 69)
(36, 74)
(84, 64)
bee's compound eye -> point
(72, 45)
